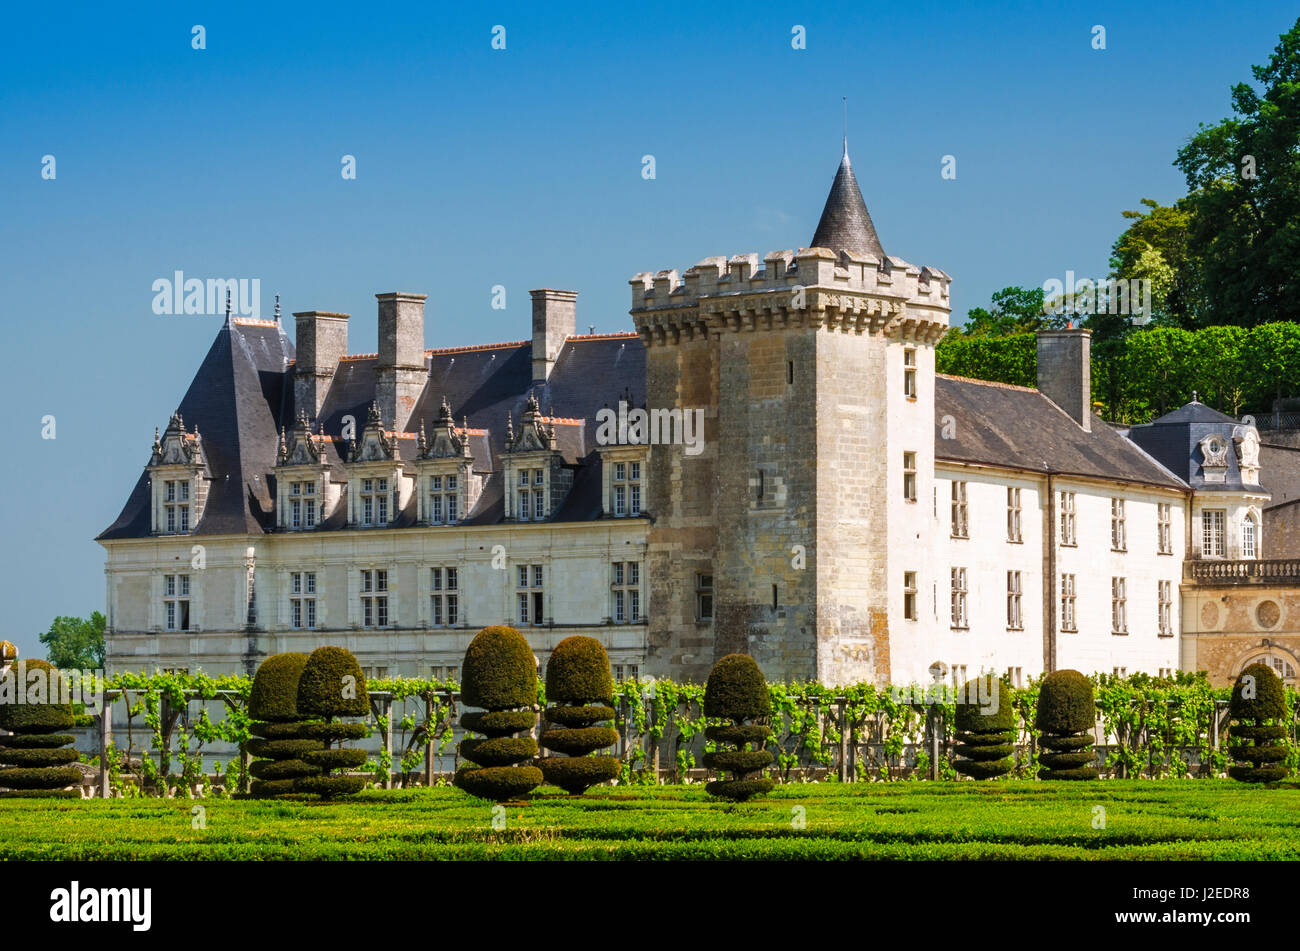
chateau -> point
(845, 513)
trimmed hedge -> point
(499, 672)
(986, 729)
(1066, 709)
(332, 685)
(500, 675)
(736, 691)
(1256, 745)
(36, 760)
(274, 694)
(577, 675)
(277, 724)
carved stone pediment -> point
(375, 445)
(532, 436)
(176, 447)
(447, 441)
(1214, 458)
(300, 446)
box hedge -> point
(986, 729)
(1067, 713)
(1257, 707)
(737, 691)
(332, 685)
(277, 725)
(35, 760)
(579, 683)
(499, 674)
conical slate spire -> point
(845, 224)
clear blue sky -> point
(522, 168)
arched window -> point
(1282, 666)
(1249, 545)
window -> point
(960, 523)
(1118, 532)
(1281, 667)
(1068, 622)
(958, 675)
(1068, 536)
(302, 505)
(176, 602)
(627, 592)
(1016, 676)
(530, 497)
(443, 499)
(525, 505)
(625, 489)
(1013, 514)
(1165, 600)
(302, 600)
(1212, 522)
(1118, 606)
(374, 597)
(959, 615)
(1013, 601)
(1166, 673)
(626, 672)
(704, 597)
(789, 371)
(444, 597)
(909, 372)
(909, 595)
(909, 476)
(1248, 537)
(1119, 672)
(374, 501)
(176, 495)
(529, 596)
(1164, 536)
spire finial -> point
(227, 305)
(1194, 397)
(845, 102)
(277, 308)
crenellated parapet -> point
(814, 288)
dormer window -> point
(178, 474)
(176, 496)
(374, 502)
(1248, 536)
(444, 493)
(302, 505)
(625, 489)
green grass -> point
(1177, 819)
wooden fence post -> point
(105, 740)
(429, 730)
(843, 708)
(934, 743)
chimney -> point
(555, 317)
(1065, 372)
(321, 340)
(401, 372)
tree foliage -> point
(75, 643)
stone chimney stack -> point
(1065, 372)
(321, 341)
(401, 372)
(555, 316)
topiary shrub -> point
(332, 685)
(986, 729)
(500, 675)
(37, 763)
(1067, 713)
(736, 691)
(1257, 708)
(578, 682)
(273, 709)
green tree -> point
(74, 643)
(1154, 248)
(1273, 353)
(1243, 178)
(1013, 310)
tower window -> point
(909, 373)
(789, 372)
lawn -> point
(1176, 819)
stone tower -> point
(795, 510)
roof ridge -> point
(480, 346)
(1005, 386)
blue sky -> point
(522, 167)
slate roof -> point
(1175, 437)
(845, 224)
(1015, 427)
(242, 395)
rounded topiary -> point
(579, 683)
(332, 685)
(273, 708)
(499, 672)
(36, 763)
(986, 729)
(1067, 713)
(1256, 743)
(500, 675)
(737, 691)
